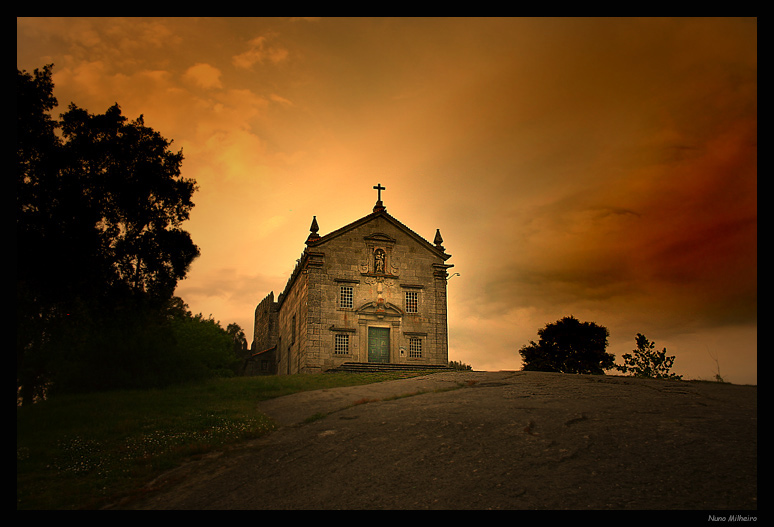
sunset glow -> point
(601, 168)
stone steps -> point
(376, 366)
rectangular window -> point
(341, 344)
(412, 301)
(415, 348)
(345, 296)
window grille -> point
(412, 302)
(341, 344)
(415, 347)
(345, 296)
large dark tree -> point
(569, 346)
(100, 203)
(37, 150)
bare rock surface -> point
(487, 440)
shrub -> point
(646, 361)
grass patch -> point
(84, 451)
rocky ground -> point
(488, 440)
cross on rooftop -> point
(379, 207)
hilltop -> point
(488, 440)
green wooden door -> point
(378, 345)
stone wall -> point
(262, 360)
(292, 321)
(265, 331)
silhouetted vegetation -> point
(459, 366)
(569, 346)
(646, 361)
(100, 203)
(238, 340)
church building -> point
(372, 291)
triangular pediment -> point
(380, 236)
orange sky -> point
(601, 168)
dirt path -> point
(505, 440)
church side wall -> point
(292, 327)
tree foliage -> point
(132, 200)
(647, 361)
(206, 347)
(460, 366)
(238, 339)
(100, 203)
(569, 346)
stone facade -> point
(371, 291)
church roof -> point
(379, 211)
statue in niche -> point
(379, 261)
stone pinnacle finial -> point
(313, 231)
(438, 240)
